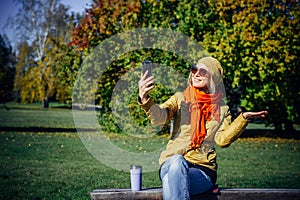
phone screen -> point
(147, 65)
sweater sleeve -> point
(230, 131)
(160, 114)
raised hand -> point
(145, 85)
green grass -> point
(33, 115)
(260, 163)
(49, 161)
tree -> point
(257, 43)
(24, 84)
(107, 18)
(104, 19)
(36, 22)
(66, 59)
(7, 70)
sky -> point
(9, 9)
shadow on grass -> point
(248, 133)
(42, 129)
(255, 133)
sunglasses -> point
(202, 72)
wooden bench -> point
(224, 194)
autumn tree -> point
(107, 18)
(66, 60)
(257, 42)
(36, 22)
(25, 85)
(104, 19)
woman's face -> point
(201, 77)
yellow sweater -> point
(222, 133)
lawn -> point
(42, 157)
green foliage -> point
(257, 44)
(66, 61)
(67, 64)
(118, 90)
(149, 14)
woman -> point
(201, 120)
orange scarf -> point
(203, 107)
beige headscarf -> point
(216, 70)
(214, 67)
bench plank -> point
(225, 194)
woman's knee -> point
(177, 162)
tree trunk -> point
(45, 103)
(288, 127)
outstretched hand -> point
(250, 115)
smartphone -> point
(147, 66)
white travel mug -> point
(136, 177)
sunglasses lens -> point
(202, 72)
(194, 69)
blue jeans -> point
(179, 181)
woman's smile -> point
(200, 82)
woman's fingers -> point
(260, 114)
(145, 85)
(146, 81)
